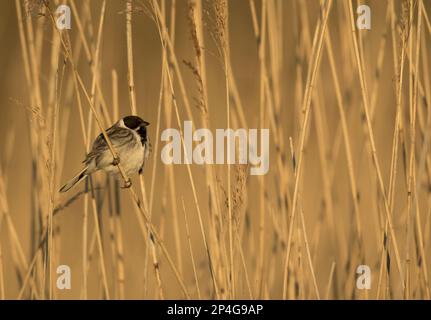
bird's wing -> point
(118, 136)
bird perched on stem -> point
(130, 141)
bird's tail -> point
(78, 178)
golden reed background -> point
(350, 172)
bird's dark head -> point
(137, 124)
(134, 122)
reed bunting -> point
(130, 141)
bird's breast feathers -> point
(132, 155)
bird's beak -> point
(146, 123)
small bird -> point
(130, 141)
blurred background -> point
(300, 231)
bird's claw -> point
(127, 184)
(116, 161)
